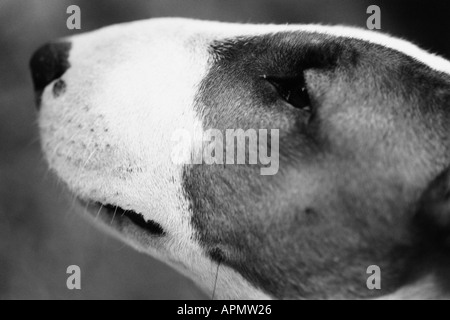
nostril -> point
(49, 63)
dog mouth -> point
(118, 215)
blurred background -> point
(41, 233)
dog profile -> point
(364, 153)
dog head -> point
(361, 126)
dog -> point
(364, 153)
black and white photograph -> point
(204, 150)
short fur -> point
(363, 180)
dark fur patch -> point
(348, 180)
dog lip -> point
(116, 213)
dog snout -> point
(49, 63)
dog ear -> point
(433, 215)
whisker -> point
(72, 204)
(98, 213)
(86, 208)
(114, 215)
(88, 159)
(81, 168)
(32, 142)
(215, 282)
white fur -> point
(130, 87)
(424, 289)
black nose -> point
(49, 63)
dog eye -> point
(293, 90)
